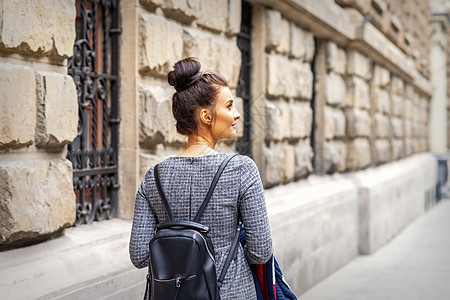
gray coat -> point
(185, 181)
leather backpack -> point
(182, 264)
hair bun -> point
(186, 72)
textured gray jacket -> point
(185, 181)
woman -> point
(203, 107)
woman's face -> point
(224, 125)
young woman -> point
(203, 107)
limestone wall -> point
(39, 116)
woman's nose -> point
(237, 115)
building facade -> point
(335, 99)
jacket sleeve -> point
(143, 226)
(252, 208)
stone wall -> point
(39, 108)
(405, 23)
(289, 50)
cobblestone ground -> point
(413, 265)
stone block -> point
(213, 16)
(278, 120)
(397, 127)
(289, 163)
(37, 199)
(383, 151)
(17, 105)
(234, 17)
(398, 149)
(288, 78)
(334, 157)
(397, 105)
(381, 77)
(397, 86)
(45, 27)
(285, 37)
(303, 159)
(334, 123)
(273, 29)
(383, 101)
(274, 169)
(57, 110)
(358, 154)
(358, 123)
(335, 89)
(336, 58)
(160, 44)
(213, 51)
(301, 120)
(181, 10)
(358, 64)
(382, 126)
(302, 43)
(358, 93)
(391, 196)
(156, 122)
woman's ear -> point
(205, 116)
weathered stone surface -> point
(45, 27)
(397, 127)
(382, 125)
(213, 51)
(156, 123)
(334, 123)
(358, 93)
(278, 120)
(302, 43)
(17, 105)
(358, 64)
(335, 89)
(213, 16)
(161, 44)
(301, 120)
(398, 149)
(57, 109)
(408, 128)
(303, 159)
(383, 151)
(274, 169)
(358, 123)
(35, 188)
(285, 37)
(397, 86)
(397, 105)
(234, 17)
(334, 157)
(409, 146)
(358, 155)
(288, 78)
(181, 10)
(273, 28)
(336, 58)
(382, 100)
(289, 163)
(381, 77)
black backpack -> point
(181, 263)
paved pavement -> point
(414, 265)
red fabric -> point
(262, 279)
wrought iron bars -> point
(95, 71)
(244, 145)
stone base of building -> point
(318, 225)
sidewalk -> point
(414, 265)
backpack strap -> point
(231, 255)
(161, 193)
(212, 187)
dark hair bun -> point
(186, 72)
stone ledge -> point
(89, 261)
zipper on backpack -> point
(206, 244)
(177, 280)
